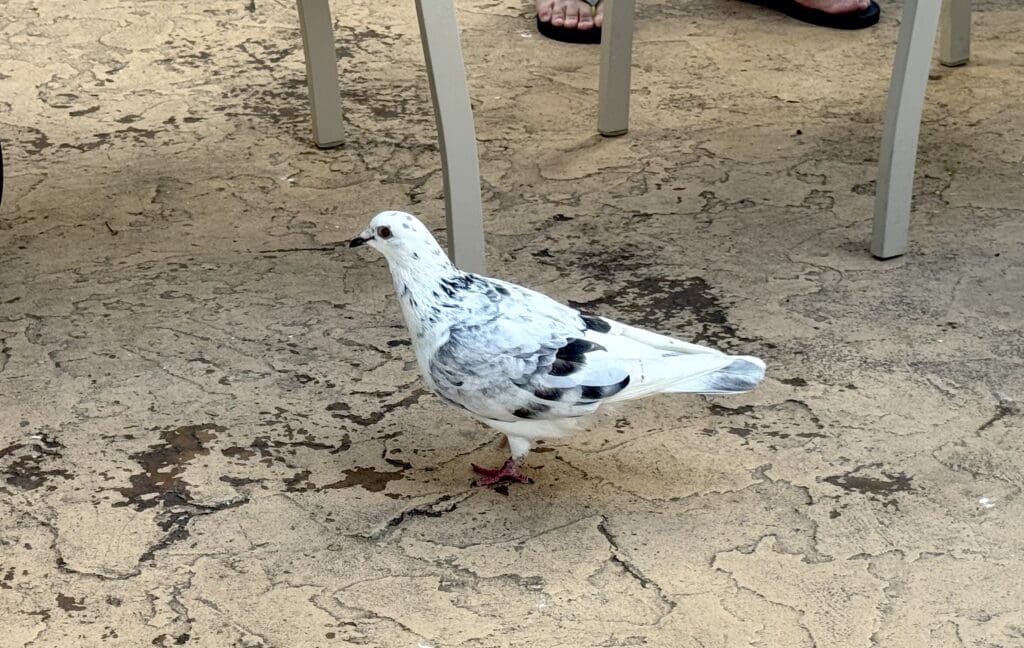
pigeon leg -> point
(509, 472)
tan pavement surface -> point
(213, 432)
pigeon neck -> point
(421, 296)
(422, 274)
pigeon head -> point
(402, 239)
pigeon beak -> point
(357, 241)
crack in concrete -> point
(423, 510)
(178, 518)
(813, 556)
(798, 612)
(888, 600)
(329, 247)
(634, 572)
(62, 566)
(371, 614)
(180, 609)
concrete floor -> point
(213, 433)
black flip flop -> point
(853, 20)
(590, 36)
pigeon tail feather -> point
(743, 374)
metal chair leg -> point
(955, 32)
(902, 125)
(321, 71)
(460, 166)
(616, 58)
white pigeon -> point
(524, 364)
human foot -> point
(837, 14)
(836, 6)
(570, 14)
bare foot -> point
(836, 6)
(572, 14)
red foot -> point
(508, 473)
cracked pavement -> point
(213, 430)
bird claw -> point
(507, 473)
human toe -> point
(572, 16)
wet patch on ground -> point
(370, 479)
(163, 464)
(27, 467)
(343, 411)
(882, 488)
(70, 603)
(271, 450)
(793, 382)
(790, 423)
(688, 306)
(161, 482)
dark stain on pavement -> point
(369, 478)
(880, 489)
(163, 464)
(26, 471)
(70, 603)
(661, 302)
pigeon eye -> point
(384, 232)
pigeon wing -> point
(525, 358)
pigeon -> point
(524, 364)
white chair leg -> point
(321, 71)
(955, 32)
(616, 58)
(902, 125)
(460, 166)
